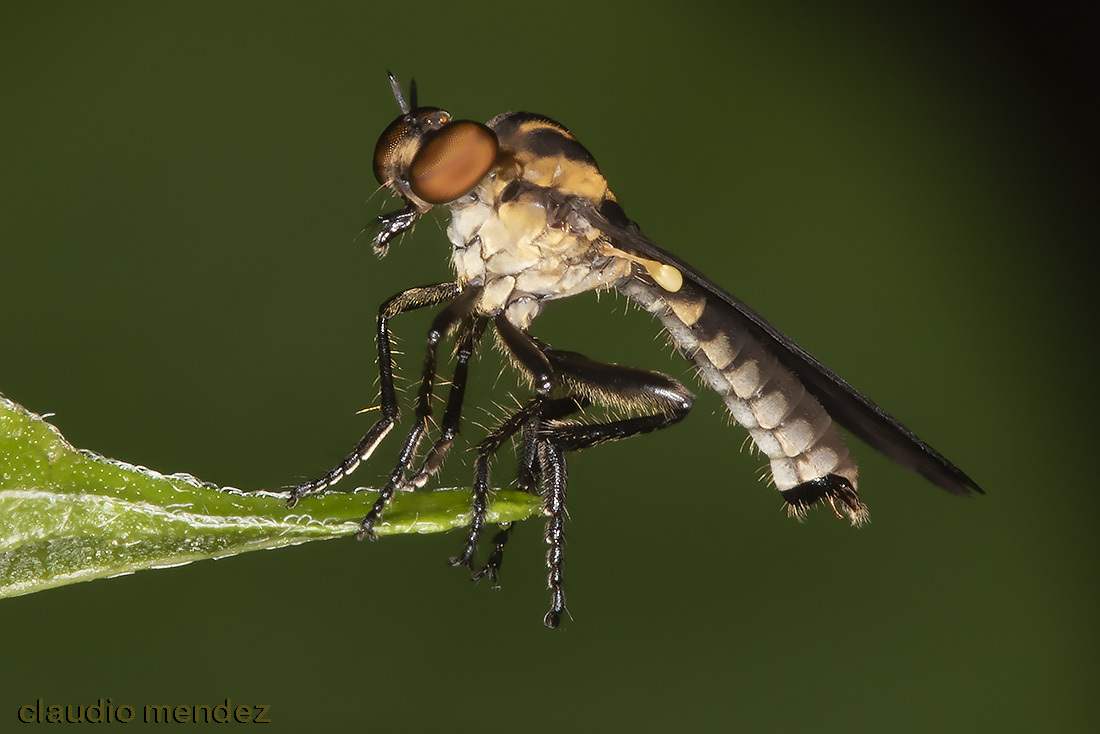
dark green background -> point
(903, 191)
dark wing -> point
(846, 405)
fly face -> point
(533, 220)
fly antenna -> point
(399, 95)
(412, 93)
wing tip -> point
(955, 481)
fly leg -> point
(388, 226)
(552, 462)
(665, 402)
(528, 354)
(407, 300)
(529, 474)
(444, 323)
(492, 566)
(661, 400)
(486, 450)
(449, 426)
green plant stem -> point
(69, 515)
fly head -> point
(427, 158)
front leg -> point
(387, 226)
(407, 300)
(457, 311)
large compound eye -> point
(387, 143)
(452, 161)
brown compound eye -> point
(452, 161)
(387, 143)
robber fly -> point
(532, 220)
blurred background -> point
(909, 193)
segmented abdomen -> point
(785, 422)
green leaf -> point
(69, 515)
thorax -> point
(522, 237)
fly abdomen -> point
(808, 456)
